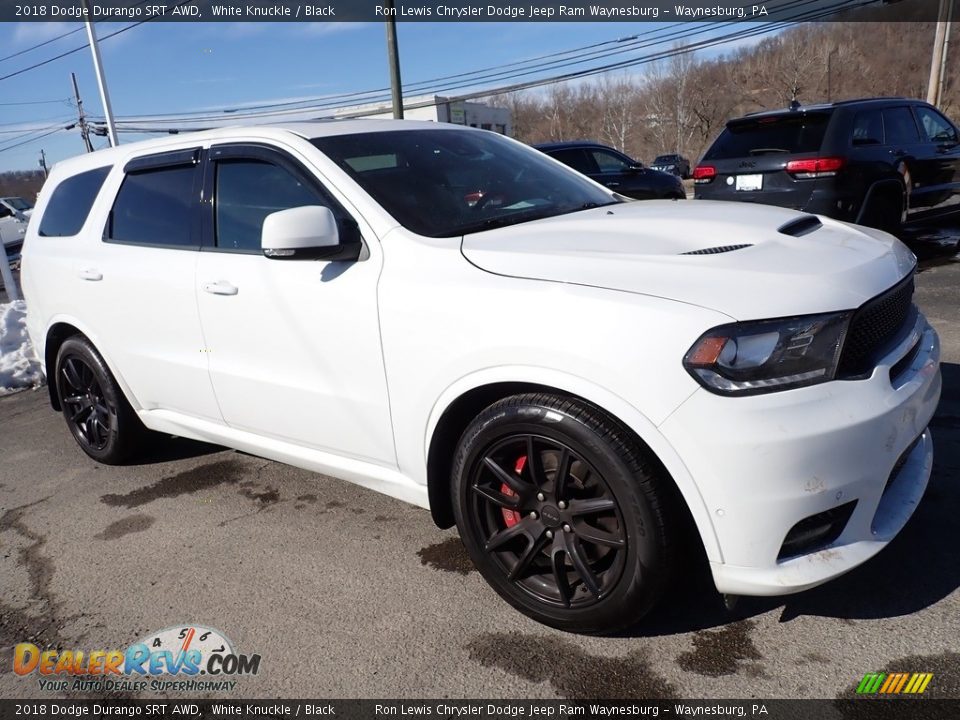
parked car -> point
(20, 208)
(572, 379)
(878, 162)
(13, 228)
(673, 164)
(617, 171)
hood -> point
(643, 247)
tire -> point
(590, 556)
(98, 415)
(886, 211)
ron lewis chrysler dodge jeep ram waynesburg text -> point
(452, 318)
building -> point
(437, 108)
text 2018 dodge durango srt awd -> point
(569, 377)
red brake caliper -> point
(512, 517)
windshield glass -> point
(444, 183)
(17, 203)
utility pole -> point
(938, 62)
(84, 129)
(101, 79)
(393, 56)
(43, 163)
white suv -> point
(449, 317)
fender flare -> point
(95, 341)
(622, 410)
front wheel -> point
(562, 513)
(99, 417)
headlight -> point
(768, 355)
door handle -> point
(91, 274)
(613, 184)
(220, 287)
(898, 153)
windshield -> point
(665, 159)
(17, 203)
(444, 183)
(769, 135)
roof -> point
(820, 107)
(276, 131)
(568, 144)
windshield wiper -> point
(505, 220)
(767, 151)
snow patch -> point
(19, 368)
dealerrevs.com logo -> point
(189, 658)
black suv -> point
(617, 171)
(877, 162)
(675, 164)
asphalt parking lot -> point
(347, 593)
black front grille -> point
(872, 328)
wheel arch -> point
(59, 330)
(462, 403)
(890, 185)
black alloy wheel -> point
(98, 415)
(85, 407)
(562, 512)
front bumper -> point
(764, 463)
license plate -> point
(749, 182)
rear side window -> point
(154, 207)
(899, 127)
(575, 158)
(780, 134)
(868, 128)
(71, 202)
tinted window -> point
(17, 203)
(248, 191)
(935, 126)
(609, 162)
(788, 134)
(899, 127)
(665, 159)
(71, 202)
(575, 158)
(455, 181)
(154, 207)
(5, 211)
(868, 128)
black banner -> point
(861, 708)
(470, 10)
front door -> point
(293, 345)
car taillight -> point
(816, 167)
(703, 174)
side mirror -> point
(310, 232)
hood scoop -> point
(801, 226)
(717, 250)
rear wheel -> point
(99, 417)
(562, 513)
(886, 210)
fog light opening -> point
(817, 531)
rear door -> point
(135, 288)
(937, 179)
(293, 345)
(751, 154)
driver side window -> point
(936, 127)
(608, 162)
(248, 190)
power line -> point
(86, 45)
(31, 140)
(36, 102)
(332, 102)
(40, 45)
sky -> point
(174, 67)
